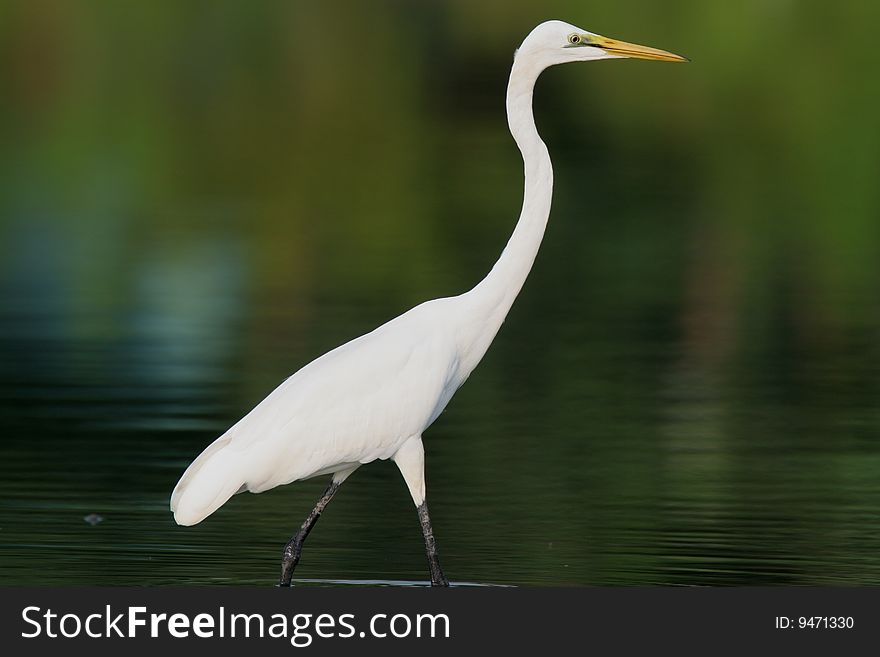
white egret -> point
(373, 397)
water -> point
(685, 393)
(589, 448)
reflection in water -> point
(385, 582)
(632, 464)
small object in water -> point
(93, 519)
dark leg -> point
(293, 549)
(437, 576)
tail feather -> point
(208, 482)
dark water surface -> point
(574, 455)
(194, 203)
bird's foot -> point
(438, 578)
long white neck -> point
(495, 294)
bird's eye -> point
(574, 39)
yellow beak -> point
(624, 49)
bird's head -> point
(557, 42)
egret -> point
(373, 397)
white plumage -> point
(373, 397)
(355, 404)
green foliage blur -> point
(360, 149)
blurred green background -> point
(198, 198)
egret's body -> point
(355, 404)
(373, 397)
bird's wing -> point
(354, 404)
